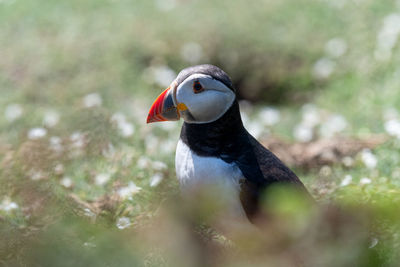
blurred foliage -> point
(295, 234)
(83, 182)
(268, 48)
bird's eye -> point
(197, 87)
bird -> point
(214, 147)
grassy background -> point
(84, 73)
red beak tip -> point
(155, 112)
(150, 118)
(154, 118)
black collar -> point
(217, 138)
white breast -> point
(194, 171)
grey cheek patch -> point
(187, 115)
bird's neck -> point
(214, 138)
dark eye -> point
(197, 87)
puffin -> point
(214, 147)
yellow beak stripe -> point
(181, 107)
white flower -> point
(167, 125)
(59, 169)
(127, 159)
(125, 128)
(336, 47)
(191, 52)
(269, 116)
(92, 100)
(128, 191)
(89, 213)
(387, 37)
(143, 162)
(13, 112)
(334, 124)
(392, 127)
(161, 75)
(365, 180)
(151, 142)
(109, 151)
(311, 116)
(102, 178)
(37, 175)
(325, 171)
(303, 133)
(37, 133)
(256, 129)
(346, 180)
(159, 166)
(156, 179)
(89, 245)
(66, 182)
(374, 242)
(167, 147)
(7, 205)
(323, 68)
(165, 5)
(118, 118)
(77, 139)
(348, 161)
(56, 144)
(51, 118)
(123, 222)
(369, 159)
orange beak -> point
(163, 108)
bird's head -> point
(199, 94)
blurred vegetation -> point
(84, 182)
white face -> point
(206, 99)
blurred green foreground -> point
(85, 182)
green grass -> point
(54, 54)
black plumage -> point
(206, 69)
